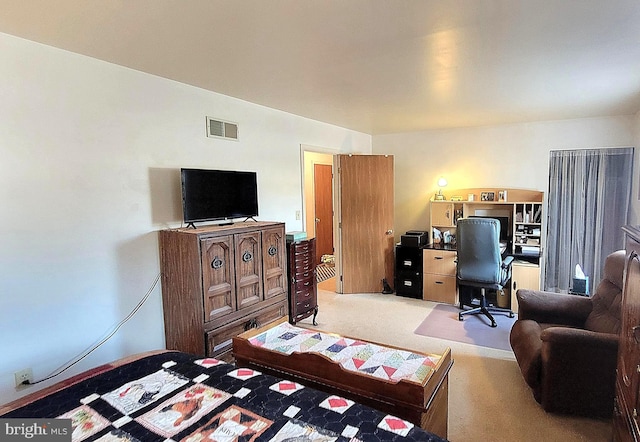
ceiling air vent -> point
(222, 129)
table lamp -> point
(442, 182)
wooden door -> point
(365, 219)
(218, 277)
(323, 210)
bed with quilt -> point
(174, 396)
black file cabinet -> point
(408, 279)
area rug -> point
(324, 272)
(443, 323)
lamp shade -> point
(442, 182)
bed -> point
(175, 396)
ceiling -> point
(375, 66)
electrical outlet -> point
(22, 376)
(298, 215)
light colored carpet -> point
(443, 323)
(488, 399)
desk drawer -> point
(440, 288)
(409, 284)
(408, 259)
(441, 262)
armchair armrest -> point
(507, 261)
(553, 308)
(580, 340)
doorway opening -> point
(361, 217)
(318, 211)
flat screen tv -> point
(210, 195)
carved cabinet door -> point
(218, 276)
(274, 263)
(248, 250)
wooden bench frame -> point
(424, 404)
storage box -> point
(414, 238)
(296, 236)
(580, 286)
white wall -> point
(90, 154)
(509, 156)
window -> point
(589, 194)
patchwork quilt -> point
(362, 357)
(178, 397)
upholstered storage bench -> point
(410, 385)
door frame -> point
(308, 216)
(308, 210)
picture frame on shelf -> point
(502, 196)
(487, 196)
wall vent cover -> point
(217, 128)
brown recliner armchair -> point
(567, 345)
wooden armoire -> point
(219, 281)
(627, 400)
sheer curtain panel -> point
(589, 195)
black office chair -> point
(480, 263)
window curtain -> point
(588, 203)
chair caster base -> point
(485, 310)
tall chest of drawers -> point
(303, 288)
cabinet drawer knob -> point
(272, 251)
(247, 256)
(217, 263)
(438, 257)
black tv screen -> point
(505, 234)
(209, 195)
